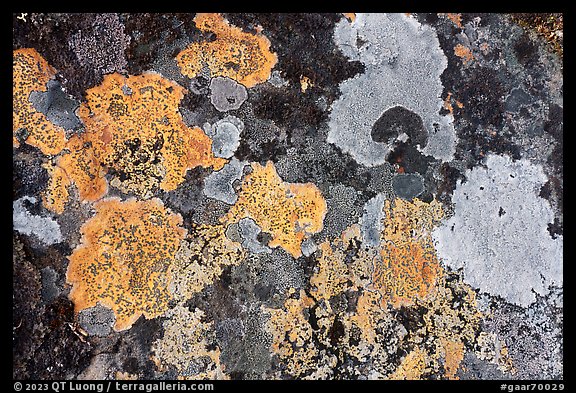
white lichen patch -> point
(44, 228)
(225, 135)
(403, 63)
(371, 220)
(498, 234)
(220, 184)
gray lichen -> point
(498, 233)
(225, 135)
(58, 107)
(226, 94)
(371, 220)
(220, 184)
(403, 61)
(97, 320)
(408, 185)
(249, 231)
(50, 288)
(44, 229)
(102, 46)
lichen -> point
(409, 267)
(125, 260)
(331, 278)
(464, 53)
(226, 94)
(220, 184)
(186, 344)
(403, 63)
(112, 118)
(56, 194)
(495, 239)
(288, 211)
(235, 54)
(44, 228)
(412, 367)
(202, 256)
(31, 72)
(292, 338)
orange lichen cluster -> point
(144, 107)
(125, 259)
(409, 267)
(455, 18)
(133, 127)
(448, 103)
(79, 166)
(464, 53)
(31, 72)
(288, 211)
(235, 54)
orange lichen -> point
(134, 128)
(56, 195)
(412, 367)
(305, 83)
(125, 259)
(464, 53)
(455, 18)
(331, 278)
(131, 120)
(409, 267)
(351, 16)
(235, 54)
(31, 72)
(288, 211)
(453, 356)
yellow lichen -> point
(464, 53)
(56, 195)
(412, 367)
(493, 350)
(201, 258)
(453, 356)
(125, 259)
(288, 211)
(235, 54)
(31, 72)
(305, 83)
(122, 376)
(331, 278)
(184, 346)
(368, 313)
(409, 267)
(292, 336)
